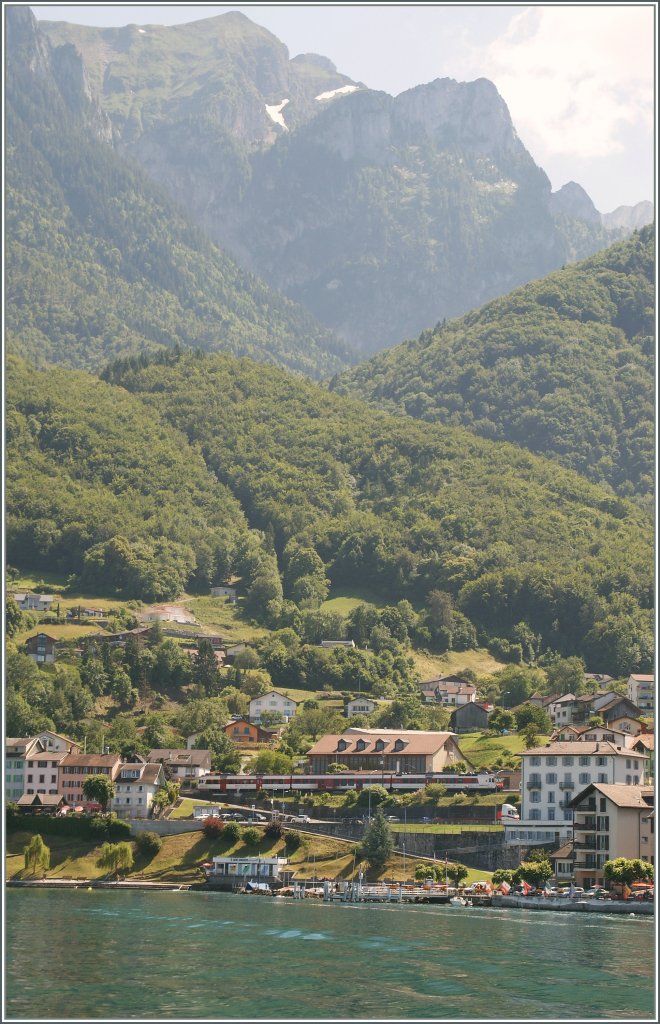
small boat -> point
(458, 901)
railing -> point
(586, 826)
(534, 782)
(567, 785)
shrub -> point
(252, 836)
(273, 830)
(232, 832)
(75, 825)
(148, 843)
(293, 840)
(213, 827)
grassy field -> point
(430, 666)
(179, 858)
(218, 615)
(344, 601)
(483, 750)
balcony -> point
(586, 826)
(567, 785)
(584, 844)
(534, 782)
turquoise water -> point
(79, 955)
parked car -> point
(301, 819)
(597, 893)
(393, 818)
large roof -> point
(622, 796)
(90, 760)
(416, 742)
(581, 747)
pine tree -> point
(378, 844)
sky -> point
(579, 79)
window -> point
(551, 814)
(44, 764)
(567, 760)
(628, 763)
(29, 778)
(568, 816)
(603, 804)
(602, 776)
(551, 760)
(535, 796)
(585, 761)
(42, 778)
(551, 778)
(636, 780)
(635, 764)
(601, 761)
(585, 778)
(533, 760)
(551, 798)
(535, 814)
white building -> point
(641, 691)
(135, 788)
(33, 602)
(272, 701)
(262, 868)
(35, 752)
(562, 709)
(363, 705)
(182, 765)
(17, 751)
(553, 774)
(229, 592)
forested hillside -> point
(410, 509)
(100, 262)
(563, 366)
(99, 486)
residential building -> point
(42, 648)
(363, 705)
(618, 707)
(54, 741)
(75, 768)
(229, 592)
(610, 821)
(389, 750)
(33, 602)
(470, 717)
(17, 750)
(552, 774)
(562, 709)
(185, 766)
(42, 771)
(641, 691)
(562, 862)
(246, 733)
(136, 785)
(542, 700)
(628, 725)
(338, 643)
(594, 733)
(272, 701)
(645, 744)
(42, 803)
(448, 690)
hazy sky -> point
(577, 78)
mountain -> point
(380, 214)
(563, 366)
(100, 262)
(629, 218)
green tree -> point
(624, 871)
(205, 668)
(377, 845)
(457, 872)
(13, 616)
(98, 789)
(502, 875)
(36, 855)
(270, 762)
(225, 755)
(148, 844)
(116, 857)
(532, 714)
(501, 720)
(535, 872)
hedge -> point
(75, 825)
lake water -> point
(79, 955)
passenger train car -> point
(215, 784)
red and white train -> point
(217, 784)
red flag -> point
(526, 887)
(505, 888)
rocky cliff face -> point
(630, 218)
(382, 215)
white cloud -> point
(574, 77)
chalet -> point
(627, 724)
(470, 717)
(618, 707)
(42, 648)
(448, 690)
(182, 765)
(388, 750)
(364, 705)
(246, 733)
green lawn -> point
(218, 615)
(483, 750)
(430, 666)
(344, 601)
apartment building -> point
(75, 768)
(610, 821)
(641, 691)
